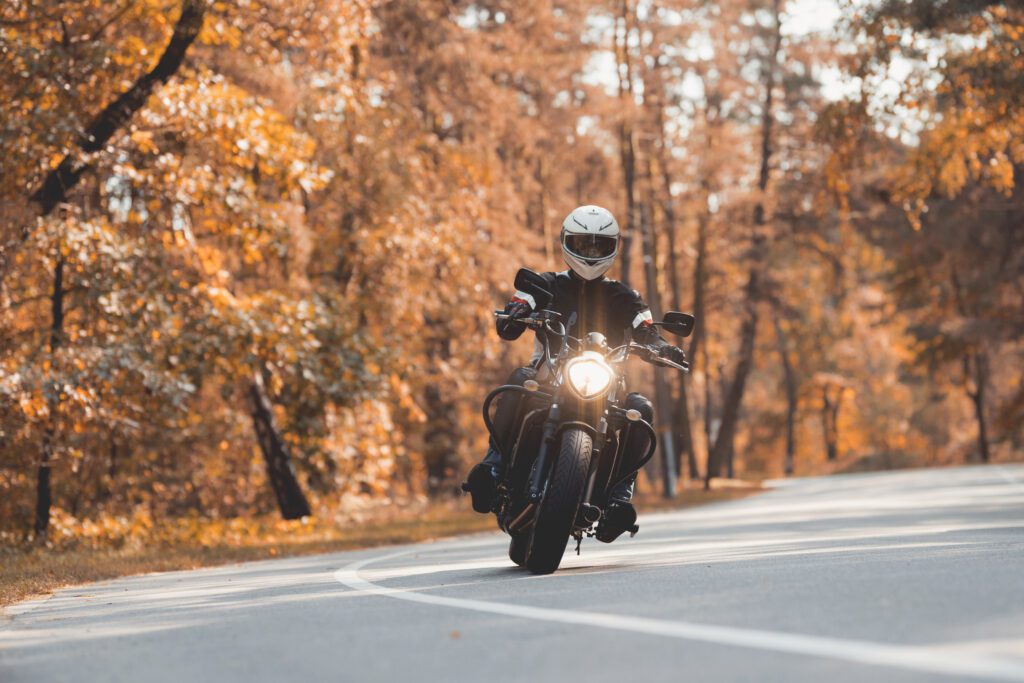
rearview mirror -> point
(536, 286)
(679, 324)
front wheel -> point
(558, 508)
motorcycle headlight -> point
(589, 375)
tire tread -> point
(557, 511)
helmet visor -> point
(591, 246)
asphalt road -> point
(908, 576)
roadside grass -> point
(33, 571)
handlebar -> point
(651, 356)
(669, 364)
(540, 319)
(533, 320)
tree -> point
(723, 446)
(946, 139)
(150, 242)
(258, 272)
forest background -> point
(250, 249)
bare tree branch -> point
(66, 175)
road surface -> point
(907, 576)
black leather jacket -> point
(601, 305)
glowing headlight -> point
(589, 375)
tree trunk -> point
(789, 378)
(44, 497)
(698, 343)
(724, 444)
(684, 432)
(682, 426)
(44, 494)
(700, 282)
(542, 213)
(975, 364)
(830, 422)
(698, 346)
(709, 422)
(627, 141)
(980, 378)
(628, 173)
(280, 471)
(681, 404)
(728, 459)
(662, 396)
(115, 115)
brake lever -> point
(684, 367)
(529, 320)
(651, 356)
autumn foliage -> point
(248, 250)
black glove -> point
(672, 353)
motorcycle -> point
(567, 455)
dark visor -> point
(591, 246)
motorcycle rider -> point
(588, 302)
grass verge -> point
(38, 571)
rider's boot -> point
(482, 482)
(620, 515)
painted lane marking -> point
(930, 659)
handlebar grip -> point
(684, 367)
(651, 356)
(528, 320)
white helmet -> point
(590, 241)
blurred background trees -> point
(249, 250)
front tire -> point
(557, 511)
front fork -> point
(536, 483)
(538, 474)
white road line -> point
(930, 659)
